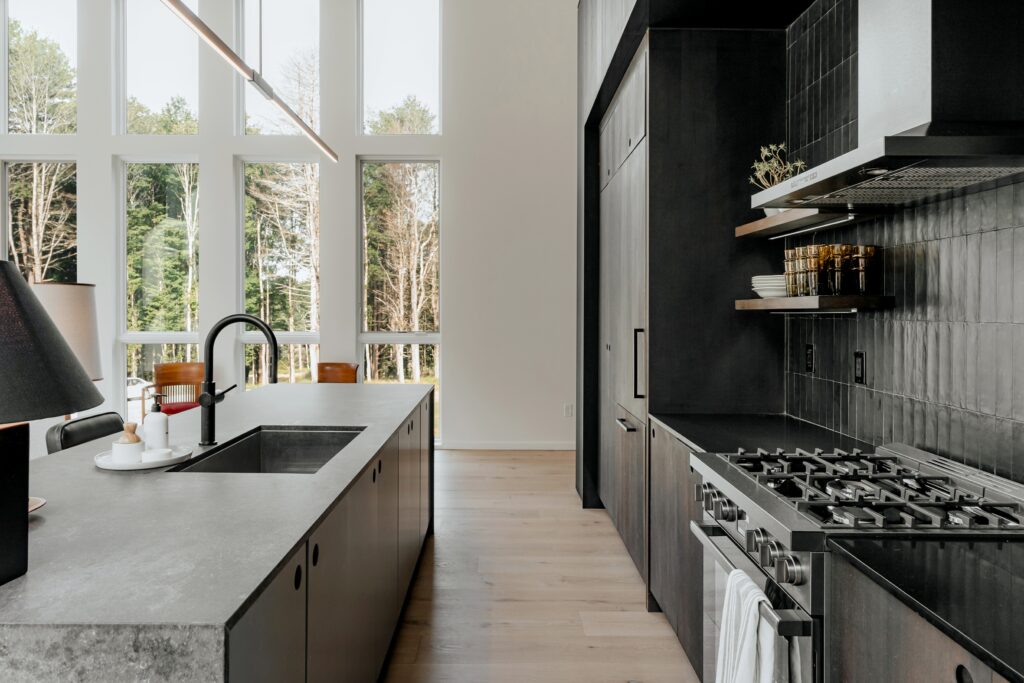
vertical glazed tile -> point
(919, 382)
(988, 442)
(957, 364)
(1018, 452)
(1018, 205)
(1003, 448)
(945, 362)
(986, 363)
(1003, 362)
(910, 385)
(1017, 355)
(931, 358)
(971, 367)
(1018, 275)
(972, 213)
(958, 210)
(930, 427)
(972, 279)
(989, 209)
(987, 286)
(945, 280)
(1004, 276)
(1004, 206)
(920, 425)
(958, 279)
(932, 282)
(956, 435)
(921, 278)
(942, 430)
(896, 418)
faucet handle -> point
(220, 396)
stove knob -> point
(789, 569)
(711, 497)
(756, 537)
(725, 510)
(701, 491)
(770, 552)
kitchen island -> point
(163, 575)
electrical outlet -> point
(567, 410)
(858, 367)
(809, 358)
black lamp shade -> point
(40, 376)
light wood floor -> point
(521, 584)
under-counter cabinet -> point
(268, 642)
(330, 611)
(676, 557)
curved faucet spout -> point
(263, 327)
(209, 398)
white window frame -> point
(360, 74)
(248, 336)
(126, 336)
(363, 337)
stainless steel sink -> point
(275, 450)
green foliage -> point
(411, 117)
(41, 84)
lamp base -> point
(13, 501)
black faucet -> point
(210, 398)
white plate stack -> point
(769, 286)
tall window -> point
(162, 84)
(162, 271)
(282, 264)
(401, 46)
(42, 220)
(282, 38)
(401, 271)
(41, 63)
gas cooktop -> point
(898, 487)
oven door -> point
(797, 632)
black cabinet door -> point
(608, 312)
(268, 642)
(666, 517)
(337, 597)
(632, 486)
(408, 501)
(426, 466)
(676, 557)
(387, 542)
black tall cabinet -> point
(665, 156)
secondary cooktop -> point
(897, 487)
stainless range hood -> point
(940, 107)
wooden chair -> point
(180, 385)
(337, 373)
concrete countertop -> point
(185, 549)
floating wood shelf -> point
(798, 221)
(816, 304)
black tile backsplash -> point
(822, 82)
(944, 369)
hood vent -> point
(937, 111)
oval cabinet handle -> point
(316, 554)
(298, 576)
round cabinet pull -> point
(375, 476)
(380, 466)
(316, 554)
(963, 675)
(298, 577)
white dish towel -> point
(746, 647)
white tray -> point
(179, 453)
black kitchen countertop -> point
(729, 432)
(972, 591)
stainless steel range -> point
(769, 513)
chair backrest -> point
(74, 432)
(178, 382)
(337, 373)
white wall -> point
(508, 179)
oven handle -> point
(787, 623)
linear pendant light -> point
(246, 71)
